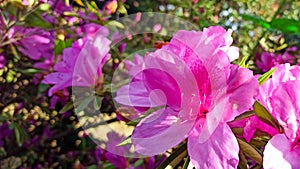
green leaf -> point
(98, 102)
(29, 71)
(121, 7)
(263, 114)
(20, 134)
(92, 167)
(35, 19)
(44, 7)
(42, 88)
(263, 78)
(115, 24)
(67, 107)
(286, 25)
(186, 163)
(61, 45)
(125, 142)
(178, 152)
(138, 163)
(250, 151)
(243, 62)
(256, 20)
(108, 166)
(244, 115)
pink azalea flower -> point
(279, 96)
(34, 42)
(266, 60)
(82, 62)
(192, 77)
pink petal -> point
(279, 153)
(233, 53)
(285, 101)
(242, 88)
(136, 95)
(219, 151)
(90, 61)
(159, 132)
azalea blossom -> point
(82, 62)
(200, 90)
(266, 60)
(279, 95)
(34, 43)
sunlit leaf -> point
(121, 8)
(126, 141)
(263, 78)
(79, 2)
(243, 62)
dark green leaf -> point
(250, 151)
(247, 114)
(35, 19)
(263, 114)
(67, 107)
(186, 163)
(20, 133)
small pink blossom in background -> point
(211, 143)
(89, 64)
(34, 43)
(138, 17)
(157, 28)
(266, 60)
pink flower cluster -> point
(195, 93)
